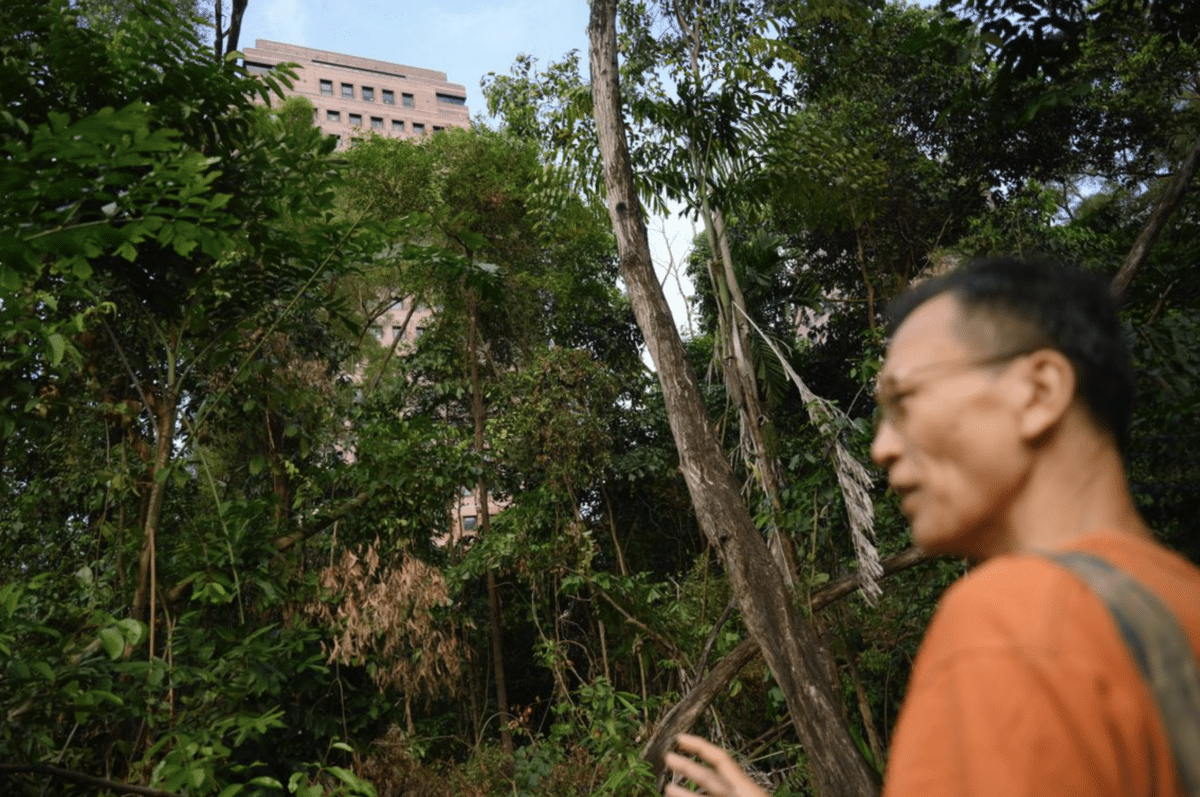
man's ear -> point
(1047, 381)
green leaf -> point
(352, 780)
(58, 347)
(134, 630)
(10, 594)
(113, 641)
(10, 280)
(264, 780)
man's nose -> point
(885, 448)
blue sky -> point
(463, 38)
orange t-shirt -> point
(1024, 686)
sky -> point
(466, 39)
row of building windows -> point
(387, 96)
(367, 94)
(377, 122)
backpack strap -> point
(1159, 645)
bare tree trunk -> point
(789, 643)
(742, 383)
(737, 361)
(485, 524)
(144, 596)
(1167, 204)
(218, 33)
(235, 25)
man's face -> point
(947, 436)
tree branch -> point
(322, 522)
(683, 715)
(87, 780)
(665, 643)
(1167, 204)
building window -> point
(407, 99)
(377, 331)
(348, 90)
(450, 99)
(337, 141)
(368, 94)
(356, 119)
(397, 126)
(438, 128)
(376, 122)
(418, 128)
(389, 97)
(327, 87)
(397, 332)
(333, 116)
(257, 69)
(469, 522)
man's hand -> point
(721, 778)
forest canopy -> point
(229, 561)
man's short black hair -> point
(1015, 305)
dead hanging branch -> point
(389, 609)
(852, 476)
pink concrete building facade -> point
(355, 95)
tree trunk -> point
(485, 523)
(742, 384)
(734, 349)
(143, 607)
(235, 25)
(1170, 200)
(218, 33)
(789, 643)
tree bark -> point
(734, 348)
(789, 643)
(235, 25)
(485, 523)
(144, 597)
(1167, 204)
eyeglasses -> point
(889, 398)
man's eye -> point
(891, 405)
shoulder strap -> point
(1161, 649)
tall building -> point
(353, 94)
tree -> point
(789, 644)
(521, 277)
(167, 245)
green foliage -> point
(193, 409)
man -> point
(1005, 401)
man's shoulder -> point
(1009, 600)
(1030, 602)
